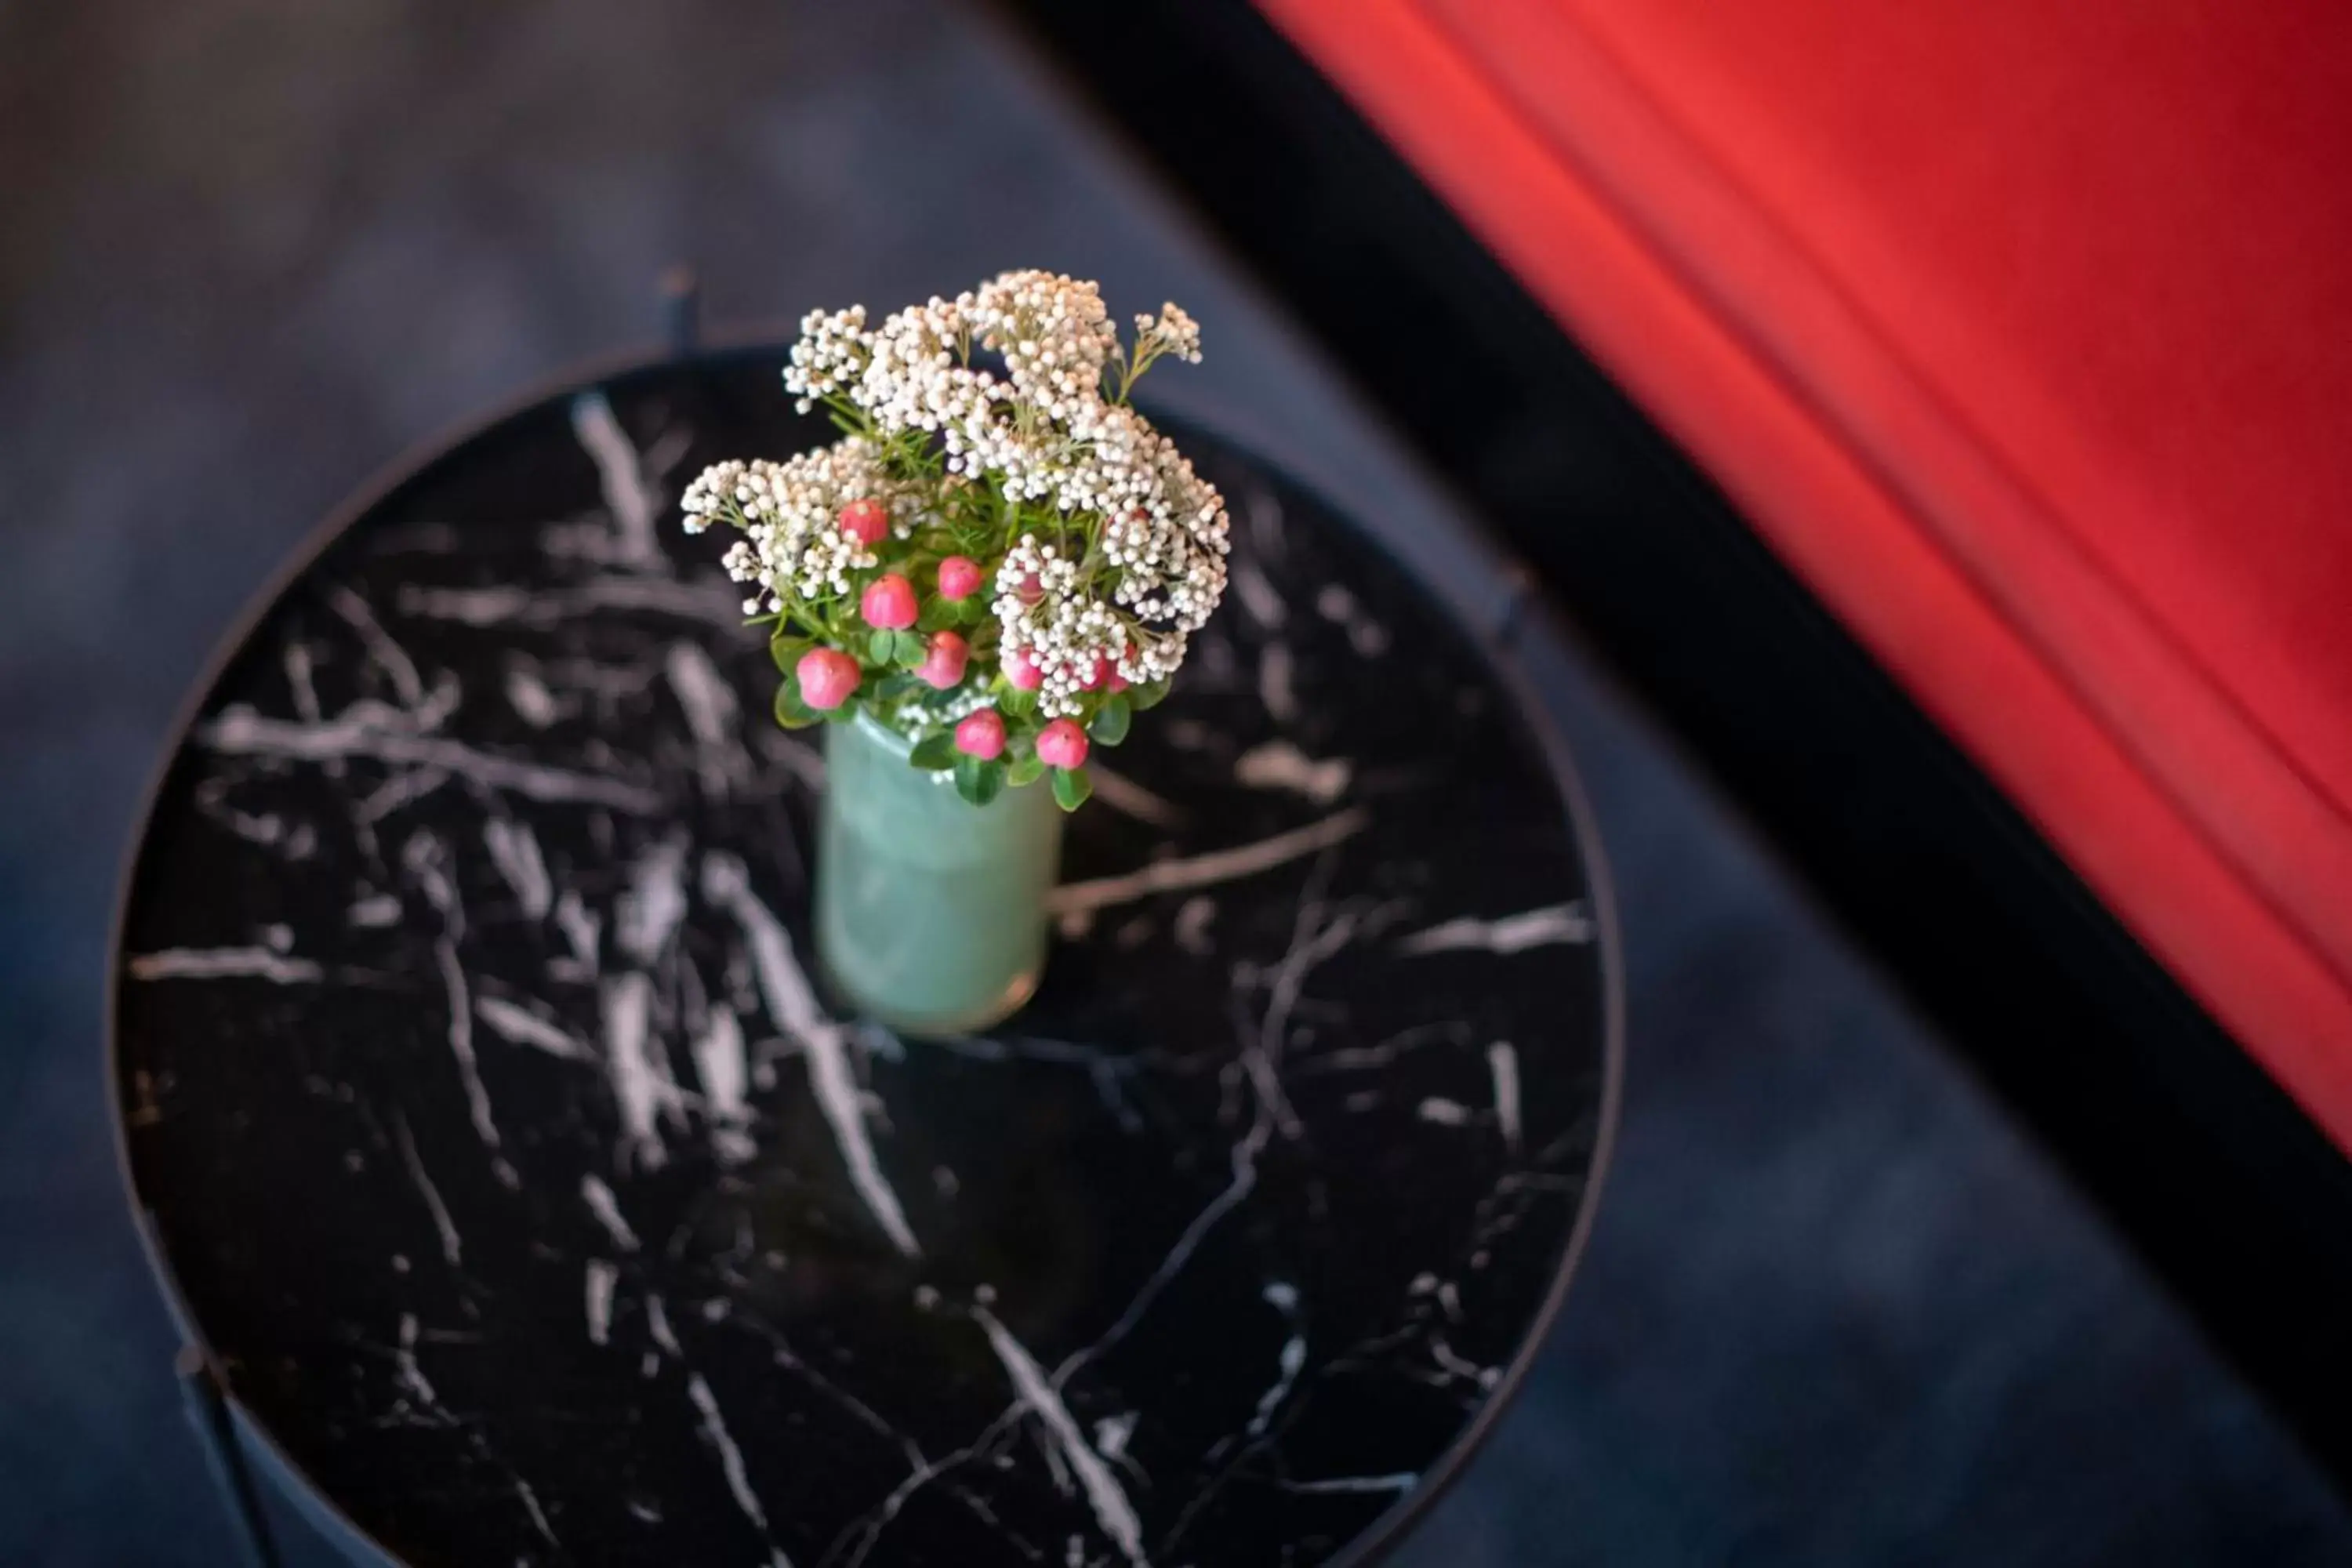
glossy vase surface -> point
(930, 912)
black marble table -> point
(532, 1208)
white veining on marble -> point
(385, 653)
(416, 1402)
(1445, 1112)
(1381, 1053)
(414, 1387)
(1277, 683)
(708, 704)
(1112, 1434)
(869, 1526)
(638, 1067)
(599, 1280)
(1403, 1482)
(582, 927)
(792, 1007)
(730, 1462)
(300, 668)
(514, 850)
(453, 1251)
(373, 912)
(1057, 1468)
(295, 841)
(1209, 869)
(403, 789)
(1192, 928)
(725, 1073)
(240, 732)
(1258, 594)
(655, 904)
(1566, 923)
(1278, 764)
(1455, 1365)
(528, 695)
(657, 1326)
(461, 1046)
(425, 857)
(713, 1427)
(792, 754)
(635, 505)
(519, 1025)
(1104, 1494)
(608, 1209)
(1316, 936)
(1503, 1065)
(1283, 1298)
(1365, 635)
(709, 600)
(530, 1501)
(223, 964)
(1127, 797)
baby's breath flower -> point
(1019, 386)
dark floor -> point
(1835, 1311)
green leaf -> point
(791, 712)
(1110, 725)
(1071, 788)
(937, 616)
(881, 647)
(787, 650)
(979, 781)
(911, 649)
(1028, 770)
(1147, 698)
(935, 752)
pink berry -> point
(1097, 673)
(1022, 671)
(959, 577)
(888, 602)
(827, 677)
(943, 660)
(866, 521)
(1025, 587)
(981, 735)
(1062, 744)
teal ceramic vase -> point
(930, 912)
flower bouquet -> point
(992, 571)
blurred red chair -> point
(1965, 488)
(2023, 332)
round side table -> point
(523, 1200)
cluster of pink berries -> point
(827, 677)
(999, 559)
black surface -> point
(2238, 1200)
(1277, 1182)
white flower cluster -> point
(1072, 638)
(1043, 431)
(793, 543)
(1172, 332)
(923, 711)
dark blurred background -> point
(1836, 1309)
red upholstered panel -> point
(2023, 331)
